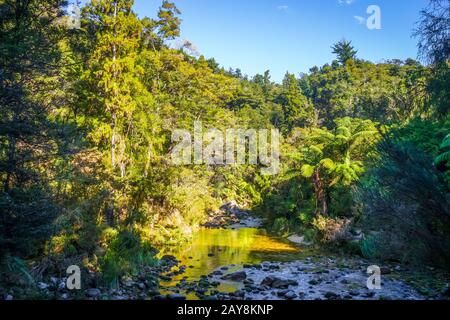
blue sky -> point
(292, 35)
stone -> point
(446, 291)
(42, 285)
(129, 283)
(62, 285)
(151, 284)
(154, 293)
(385, 270)
(93, 293)
(239, 294)
(232, 205)
(165, 278)
(236, 276)
(9, 297)
(176, 296)
(300, 240)
(169, 260)
(282, 293)
(290, 295)
(274, 267)
(278, 282)
(331, 296)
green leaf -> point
(446, 142)
(445, 157)
(328, 164)
(307, 171)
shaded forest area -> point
(86, 117)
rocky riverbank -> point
(308, 275)
(140, 287)
(231, 216)
(315, 277)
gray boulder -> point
(93, 293)
(236, 276)
(278, 282)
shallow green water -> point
(211, 249)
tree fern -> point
(444, 157)
(446, 142)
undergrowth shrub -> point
(332, 230)
(405, 203)
(126, 254)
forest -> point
(86, 178)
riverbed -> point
(256, 257)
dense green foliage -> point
(86, 118)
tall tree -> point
(333, 157)
(298, 112)
(29, 64)
(433, 32)
(166, 27)
(114, 74)
(344, 51)
(169, 21)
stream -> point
(211, 249)
(264, 267)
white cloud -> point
(283, 8)
(360, 19)
(347, 2)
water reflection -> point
(214, 248)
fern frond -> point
(443, 158)
(292, 173)
(328, 164)
(343, 131)
(316, 149)
(307, 171)
(446, 142)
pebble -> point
(93, 293)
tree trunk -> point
(321, 198)
(113, 141)
(113, 114)
(109, 214)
